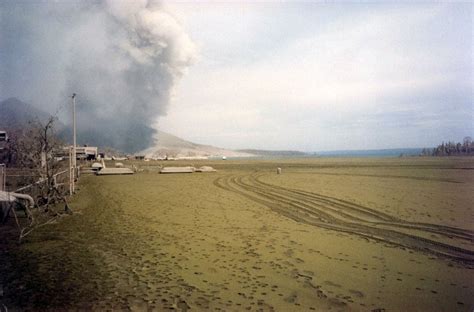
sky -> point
(309, 76)
(315, 76)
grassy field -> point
(325, 235)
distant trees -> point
(466, 148)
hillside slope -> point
(173, 146)
(15, 114)
(271, 153)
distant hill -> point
(268, 153)
(372, 153)
(173, 146)
(15, 114)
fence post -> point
(2, 177)
(71, 178)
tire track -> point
(445, 231)
(383, 218)
(343, 216)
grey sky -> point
(313, 76)
(272, 75)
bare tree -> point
(35, 148)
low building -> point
(82, 152)
(3, 136)
(86, 152)
(3, 139)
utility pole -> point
(74, 140)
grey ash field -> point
(325, 235)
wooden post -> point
(71, 173)
(2, 178)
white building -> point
(82, 152)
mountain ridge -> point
(274, 153)
(15, 113)
(169, 145)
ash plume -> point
(122, 58)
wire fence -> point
(37, 189)
(30, 182)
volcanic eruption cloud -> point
(122, 58)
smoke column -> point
(122, 58)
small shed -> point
(3, 136)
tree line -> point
(466, 148)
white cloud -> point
(338, 71)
